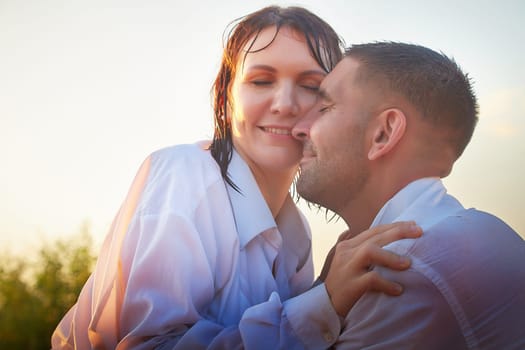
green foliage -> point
(35, 295)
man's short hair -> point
(432, 82)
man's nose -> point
(301, 130)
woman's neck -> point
(274, 187)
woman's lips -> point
(276, 130)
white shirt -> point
(190, 263)
(464, 290)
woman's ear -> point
(389, 130)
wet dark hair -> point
(323, 42)
(432, 82)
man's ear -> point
(389, 130)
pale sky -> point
(89, 88)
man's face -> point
(334, 167)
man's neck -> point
(359, 214)
(361, 211)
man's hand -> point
(347, 271)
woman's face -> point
(271, 90)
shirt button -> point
(328, 337)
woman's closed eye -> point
(261, 82)
(309, 83)
(311, 87)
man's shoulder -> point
(469, 243)
(473, 226)
(473, 262)
(472, 245)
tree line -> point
(36, 291)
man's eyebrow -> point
(324, 95)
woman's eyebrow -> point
(273, 70)
(319, 72)
(261, 67)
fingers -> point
(374, 231)
(355, 257)
(377, 283)
(385, 234)
(365, 249)
(376, 256)
(404, 230)
(370, 255)
(359, 275)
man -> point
(393, 119)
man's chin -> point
(306, 188)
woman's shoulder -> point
(188, 170)
(182, 152)
(184, 164)
(186, 158)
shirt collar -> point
(425, 201)
(251, 213)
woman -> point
(208, 248)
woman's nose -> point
(285, 101)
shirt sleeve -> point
(420, 318)
(307, 321)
